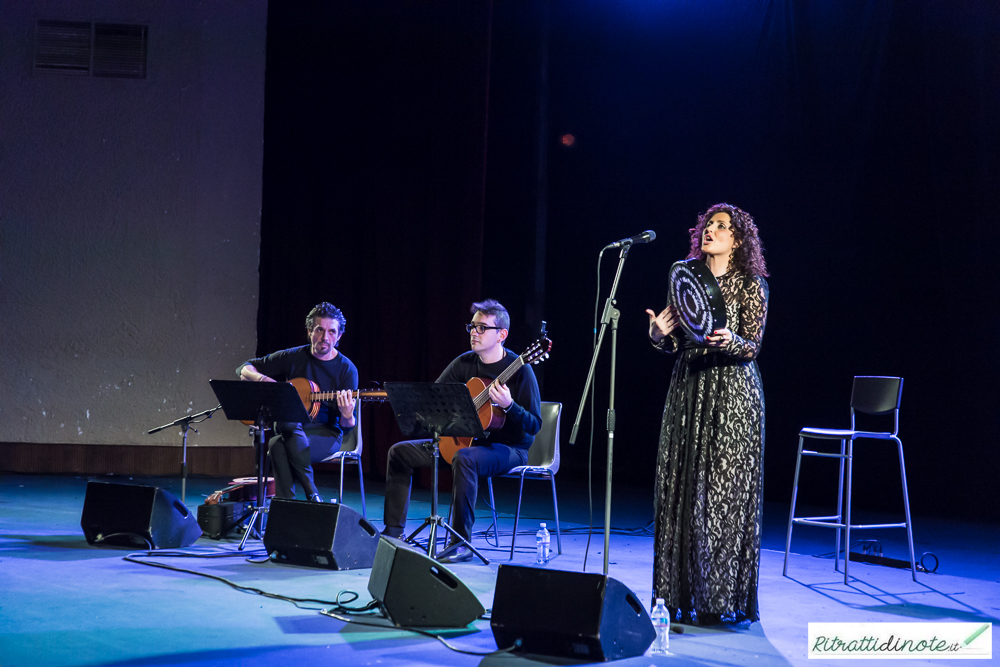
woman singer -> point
(709, 467)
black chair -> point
(350, 452)
(543, 463)
(872, 395)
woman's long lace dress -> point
(708, 471)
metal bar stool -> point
(871, 395)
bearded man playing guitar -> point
(505, 447)
(295, 446)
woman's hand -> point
(719, 338)
(661, 325)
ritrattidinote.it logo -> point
(900, 640)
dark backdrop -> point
(414, 162)
(374, 160)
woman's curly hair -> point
(748, 255)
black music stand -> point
(259, 402)
(432, 410)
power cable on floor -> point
(338, 605)
(425, 633)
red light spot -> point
(568, 140)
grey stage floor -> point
(63, 602)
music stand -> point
(432, 410)
(259, 402)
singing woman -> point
(709, 473)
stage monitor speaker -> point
(416, 591)
(568, 614)
(131, 515)
(325, 535)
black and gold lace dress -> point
(709, 474)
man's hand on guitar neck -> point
(500, 395)
(345, 403)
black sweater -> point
(524, 416)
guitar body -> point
(305, 389)
(491, 418)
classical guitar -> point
(242, 489)
(312, 397)
(492, 416)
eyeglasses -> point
(480, 328)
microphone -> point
(645, 237)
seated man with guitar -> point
(321, 363)
(519, 406)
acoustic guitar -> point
(312, 397)
(491, 416)
(242, 489)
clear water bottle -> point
(542, 542)
(661, 623)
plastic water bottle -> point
(661, 623)
(542, 542)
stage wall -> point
(129, 225)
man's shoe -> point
(315, 498)
(459, 554)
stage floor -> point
(64, 602)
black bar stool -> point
(872, 395)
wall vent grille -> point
(120, 50)
(62, 47)
(91, 49)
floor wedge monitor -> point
(130, 515)
(568, 614)
(416, 591)
(325, 535)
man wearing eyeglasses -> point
(504, 449)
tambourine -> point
(697, 297)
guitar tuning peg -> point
(546, 355)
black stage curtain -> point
(861, 135)
(374, 160)
(863, 138)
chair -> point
(350, 452)
(543, 463)
(871, 395)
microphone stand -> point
(611, 315)
(185, 424)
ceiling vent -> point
(95, 49)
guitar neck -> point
(510, 370)
(481, 400)
(323, 396)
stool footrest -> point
(827, 522)
(806, 452)
(818, 521)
